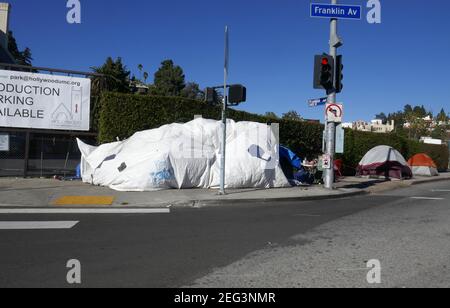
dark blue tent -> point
(290, 156)
(289, 161)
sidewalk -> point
(36, 193)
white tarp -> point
(30, 100)
(186, 156)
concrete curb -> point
(432, 180)
(404, 184)
(194, 203)
(186, 204)
(206, 203)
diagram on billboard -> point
(70, 112)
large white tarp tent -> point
(187, 155)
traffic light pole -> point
(331, 126)
(224, 117)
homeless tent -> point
(423, 165)
(289, 161)
(187, 155)
(384, 161)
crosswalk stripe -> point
(426, 198)
(37, 225)
(85, 211)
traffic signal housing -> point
(339, 74)
(324, 73)
(237, 94)
(210, 95)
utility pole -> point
(224, 116)
(335, 42)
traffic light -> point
(339, 74)
(237, 94)
(324, 72)
(211, 95)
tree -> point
(382, 116)
(442, 116)
(408, 109)
(398, 118)
(117, 77)
(145, 77)
(420, 111)
(271, 115)
(22, 57)
(192, 91)
(169, 80)
(440, 132)
(140, 68)
(292, 115)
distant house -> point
(375, 126)
(429, 121)
(429, 140)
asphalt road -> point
(302, 244)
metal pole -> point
(27, 154)
(331, 126)
(224, 118)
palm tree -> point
(140, 68)
(145, 77)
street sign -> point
(4, 142)
(326, 161)
(334, 113)
(336, 11)
(317, 102)
(340, 139)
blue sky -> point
(404, 60)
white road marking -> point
(306, 215)
(84, 211)
(427, 198)
(37, 225)
(352, 269)
(441, 190)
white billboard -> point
(29, 100)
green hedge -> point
(122, 115)
(357, 144)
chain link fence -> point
(47, 153)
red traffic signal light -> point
(324, 72)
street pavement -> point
(321, 243)
(38, 193)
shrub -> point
(357, 144)
(122, 115)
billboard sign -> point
(30, 100)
